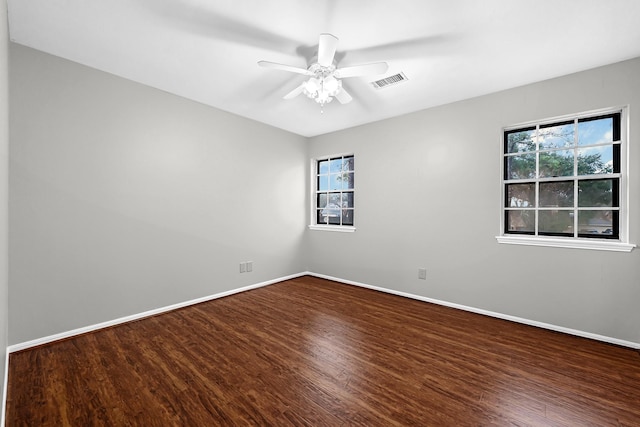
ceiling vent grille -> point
(389, 81)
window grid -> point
(334, 190)
(578, 149)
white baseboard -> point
(4, 388)
(44, 340)
(63, 335)
(74, 332)
(529, 322)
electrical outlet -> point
(249, 266)
(422, 273)
(243, 267)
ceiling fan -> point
(324, 83)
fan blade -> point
(297, 91)
(283, 67)
(362, 70)
(211, 22)
(327, 49)
(343, 97)
(430, 45)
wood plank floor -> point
(310, 352)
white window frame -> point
(621, 244)
(313, 225)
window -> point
(563, 179)
(334, 191)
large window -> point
(563, 178)
(334, 195)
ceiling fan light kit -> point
(324, 83)
(323, 86)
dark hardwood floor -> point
(310, 352)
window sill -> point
(338, 228)
(599, 245)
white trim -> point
(625, 179)
(45, 340)
(51, 338)
(524, 321)
(340, 228)
(72, 333)
(571, 243)
(623, 245)
(567, 117)
(313, 190)
(5, 387)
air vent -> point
(389, 81)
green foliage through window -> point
(563, 178)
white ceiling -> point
(207, 50)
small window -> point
(334, 196)
(563, 178)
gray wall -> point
(125, 198)
(428, 195)
(4, 188)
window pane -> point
(335, 165)
(335, 181)
(335, 198)
(521, 166)
(340, 181)
(595, 131)
(347, 217)
(598, 193)
(330, 214)
(347, 200)
(347, 180)
(323, 166)
(559, 194)
(520, 140)
(323, 182)
(348, 164)
(520, 221)
(595, 160)
(558, 136)
(328, 219)
(556, 163)
(521, 195)
(555, 222)
(322, 200)
(598, 224)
